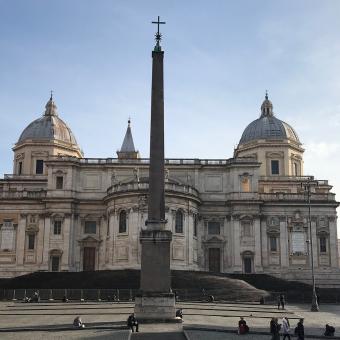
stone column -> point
(47, 231)
(102, 245)
(72, 245)
(236, 244)
(258, 246)
(110, 241)
(264, 235)
(66, 246)
(189, 235)
(40, 243)
(333, 242)
(21, 236)
(284, 243)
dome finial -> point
(266, 96)
(51, 108)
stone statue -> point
(113, 178)
(136, 174)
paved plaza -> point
(106, 320)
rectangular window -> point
(245, 184)
(39, 167)
(57, 228)
(323, 245)
(20, 168)
(90, 227)
(273, 243)
(31, 241)
(296, 173)
(246, 229)
(213, 228)
(59, 182)
(275, 167)
(55, 263)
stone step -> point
(158, 336)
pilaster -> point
(258, 247)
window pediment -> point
(90, 239)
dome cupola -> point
(268, 127)
(273, 143)
(49, 127)
(44, 137)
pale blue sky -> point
(220, 57)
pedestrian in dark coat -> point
(282, 301)
(329, 331)
(275, 329)
(300, 330)
(243, 328)
(132, 322)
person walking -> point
(275, 329)
(285, 328)
(282, 301)
(300, 330)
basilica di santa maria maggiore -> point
(60, 211)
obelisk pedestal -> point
(156, 302)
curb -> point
(60, 329)
(229, 330)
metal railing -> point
(128, 295)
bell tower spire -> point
(128, 151)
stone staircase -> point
(158, 336)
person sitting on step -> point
(77, 323)
(329, 331)
(132, 322)
(242, 326)
(179, 313)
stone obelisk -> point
(156, 301)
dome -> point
(48, 127)
(268, 126)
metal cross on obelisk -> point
(155, 300)
(158, 36)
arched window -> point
(122, 221)
(179, 222)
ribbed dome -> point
(48, 127)
(268, 126)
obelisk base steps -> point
(155, 302)
(156, 307)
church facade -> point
(60, 211)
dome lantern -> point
(267, 107)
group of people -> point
(275, 329)
(34, 298)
